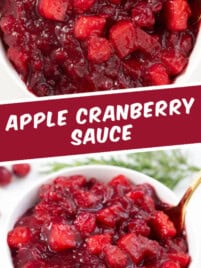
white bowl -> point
(20, 89)
(104, 174)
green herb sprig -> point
(168, 167)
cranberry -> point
(138, 247)
(21, 170)
(96, 243)
(62, 236)
(115, 257)
(73, 46)
(84, 223)
(162, 225)
(5, 176)
(54, 10)
(19, 237)
(83, 5)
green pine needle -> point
(168, 167)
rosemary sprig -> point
(168, 167)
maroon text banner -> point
(101, 123)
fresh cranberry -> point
(21, 170)
(73, 46)
(84, 223)
(5, 176)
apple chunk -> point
(53, 9)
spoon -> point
(177, 213)
(196, 10)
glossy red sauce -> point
(71, 46)
(79, 223)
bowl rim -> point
(101, 172)
(13, 74)
(194, 60)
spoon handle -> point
(196, 11)
(187, 196)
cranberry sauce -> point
(79, 223)
(71, 46)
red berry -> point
(138, 247)
(21, 170)
(85, 223)
(99, 49)
(146, 42)
(157, 75)
(177, 14)
(120, 180)
(86, 26)
(83, 5)
(141, 199)
(53, 9)
(18, 237)
(182, 258)
(162, 225)
(111, 215)
(86, 199)
(97, 243)
(62, 236)
(174, 61)
(139, 226)
(6, 24)
(72, 182)
(142, 15)
(133, 67)
(5, 176)
(135, 195)
(115, 257)
(19, 59)
(123, 38)
(170, 264)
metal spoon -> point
(177, 213)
